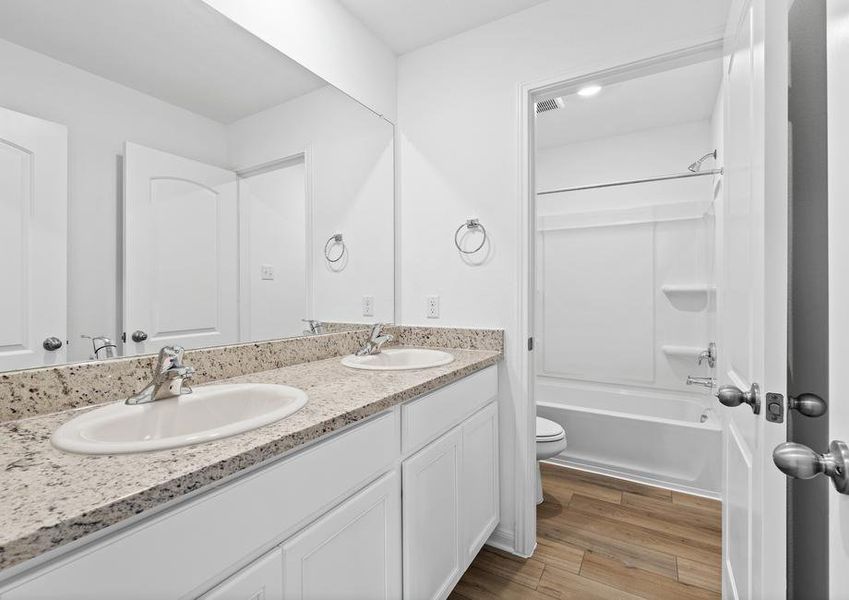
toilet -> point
(551, 441)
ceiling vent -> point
(550, 104)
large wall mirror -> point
(168, 178)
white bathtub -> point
(673, 442)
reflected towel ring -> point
(334, 239)
(470, 224)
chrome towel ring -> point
(470, 224)
(334, 240)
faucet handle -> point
(169, 357)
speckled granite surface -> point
(47, 390)
(49, 498)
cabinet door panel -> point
(432, 563)
(261, 580)
(480, 494)
(353, 552)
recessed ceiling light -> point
(589, 90)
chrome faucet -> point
(169, 378)
(315, 327)
(708, 382)
(101, 344)
(375, 341)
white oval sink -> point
(209, 413)
(399, 359)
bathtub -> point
(658, 439)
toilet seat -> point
(549, 431)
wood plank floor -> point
(604, 538)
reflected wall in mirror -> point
(166, 177)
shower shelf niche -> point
(689, 297)
(682, 351)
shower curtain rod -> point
(630, 181)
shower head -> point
(696, 166)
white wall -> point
(604, 255)
(459, 154)
(100, 116)
(274, 216)
(326, 39)
(351, 183)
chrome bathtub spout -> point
(707, 382)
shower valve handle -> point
(731, 395)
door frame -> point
(305, 156)
(528, 94)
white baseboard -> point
(505, 539)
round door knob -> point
(51, 344)
(800, 462)
(138, 336)
(731, 395)
(809, 405)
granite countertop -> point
(49, 498)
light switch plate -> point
(432, 307)
(368, 306)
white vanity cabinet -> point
(451, 494)
(261, 580)
(351, 552)
(323, 523)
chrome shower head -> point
(696, 166)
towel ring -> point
(470, 224)
(334, 239)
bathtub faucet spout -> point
(708, 382)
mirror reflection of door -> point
(274, 245)
(33, 228)
(181, 252)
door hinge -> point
(530, 344)
(774, 407)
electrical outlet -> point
(266, 272)
(368, 306)
(432, 308)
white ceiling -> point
(181, 51)
(405, 25)
(671, 97)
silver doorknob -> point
(138, 336)
(731, 395)
(51, 344)
(800, 462)
(809, 405)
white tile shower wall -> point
(100, 116)
(604, 255)
(351, 172)
(326, 39)
(459, 154)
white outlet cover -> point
(267, 272)
(368, 306)
(432, 307)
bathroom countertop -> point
(49, 498)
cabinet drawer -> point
(428, 417)
(195, 545)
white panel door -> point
(181, 251)
(838, 280)
(260, 580)
(752, 296)
(352, 552)
(432, 531)
(33, 240)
